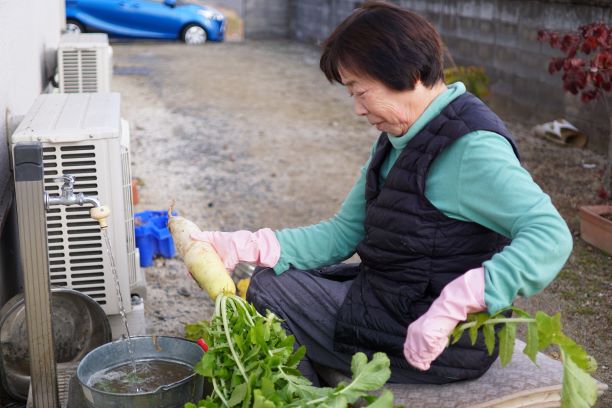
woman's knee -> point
(258, 292)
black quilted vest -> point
(411, 250)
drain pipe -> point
(34, 258)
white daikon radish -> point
(203, 262)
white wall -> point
(29, 34)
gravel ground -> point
(250, 135)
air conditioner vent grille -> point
(81, 267)
(129, 213)
(81, 70)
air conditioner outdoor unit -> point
(84, 135)
(85, 63)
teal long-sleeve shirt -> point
(478, 178)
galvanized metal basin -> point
(79, 326)
(113, 354)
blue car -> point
(157, 19)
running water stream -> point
(127, 339)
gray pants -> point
(308, 302)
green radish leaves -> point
(251, 362)
(367, 377)
(506, 336)
(579, 388)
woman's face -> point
(386, 109)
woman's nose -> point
(360, 109)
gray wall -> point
(501, 36)
(267, 18)
(236, 5)
(315, 19)
(263, 19)
(29, 33)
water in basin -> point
(148, 376)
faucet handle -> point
(67, 179)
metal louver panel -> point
(80, 70)
(129, 213)
(89, 70)
(70, 64)
(76, 253)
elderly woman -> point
(445, 220)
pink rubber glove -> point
(428, 335)
(260, 247)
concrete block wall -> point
(499, 35)
(267, 18)
(315, 19)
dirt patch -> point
(250, 135)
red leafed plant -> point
(586, 67)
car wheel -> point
(194, 34)
(73, 26)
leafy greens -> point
(251, 362)
(579, 388)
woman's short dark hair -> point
(385, 42)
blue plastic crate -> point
(152, 236)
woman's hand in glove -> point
(260, 247)
(428, 335)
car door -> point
(104, 15)
(156, 18)
(147, 18)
